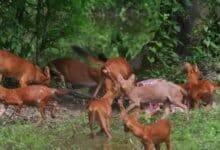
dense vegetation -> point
(172, 31)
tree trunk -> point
(187, 24)
(20, 11)
(41, 27)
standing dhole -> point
(31, 95)
(200, 91)
(151, 135)
(110, 71)
(22, 70)
(75, 72)
(100, 110)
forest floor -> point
(70, 130)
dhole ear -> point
(132, 78)
(187, 66)
(196, 69)
(47, 71)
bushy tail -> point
(62, 91)
(79, 51)
(100, 60)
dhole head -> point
(134, 117)
(197, 72)
(43, 77)
(126, 83)
(193, 70)
(129, 121)
(188, 67)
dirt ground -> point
(69, 106)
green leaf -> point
(177, 28)
(151, 59)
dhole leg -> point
(157, 146)
(42, 113)
(108, 120)
(104, 126)
(145, 146)
(196, 100)
(149, 145)
(166, 112)
(185, 108)
(197, 103)
(18, 109)
(108, 85)
(132, 106)
(98, 87)
(53, 109)
(167, 142)
(91, 122)
(62, 79)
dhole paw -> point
(92, 135)
(53, 116)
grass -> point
(201, 132)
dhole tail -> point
(100, 60)
(62, 91)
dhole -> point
(199, 90)
(22, 70)
(31, 95)
(75, 72)
(100, 110)
(110, 70)
(157, 90)
(151, 135)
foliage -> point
(205, 35)
(43, 30)
(31, 24)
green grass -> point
(201, 132)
